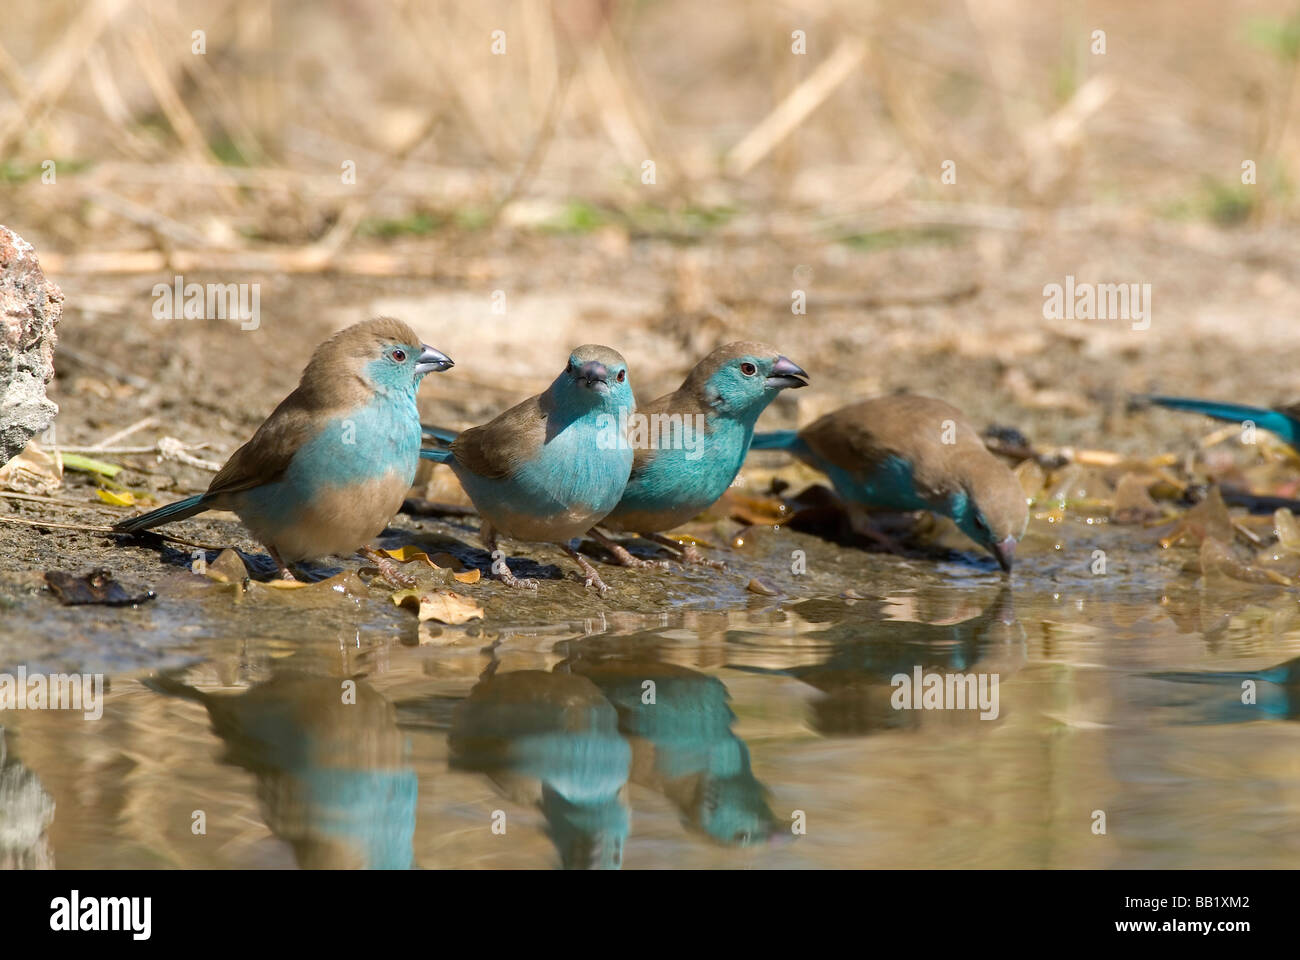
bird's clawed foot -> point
(392, 574)
(502, 573)
(623, 557)
(593, 578)
(499, 568)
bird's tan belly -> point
(556, 527)
(339, 520)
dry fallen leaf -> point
(409, 554)
(346, 584)
(1217, 558)
(441, 605)
(124, 499)
(33, 471)
(1208, 519)
(227, 568)
(1287, 530)
(458, 569)
(1133, 503)
(439, 561)
(97, 586)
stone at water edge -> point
(30, 309)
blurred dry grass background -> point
(240, 148)
(523, 171)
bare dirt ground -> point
(522, 176)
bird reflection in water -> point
(551, 740)
(330, 765)
(865, 650)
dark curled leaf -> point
(97, 586)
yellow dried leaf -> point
(441, 605)
(124, 499)
(408, 554)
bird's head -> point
(741, 379)
(384, 352)
(595, 377)
(991, 508)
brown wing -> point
(266, 456)
(861, 436)
(496, 448)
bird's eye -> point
(622, 375)
(748, 369)
(399, 355)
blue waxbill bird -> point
(553, 466)
(678, 470)
(904, 453)
(328, 469)
(1283, 421)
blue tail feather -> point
(441, 434)
(1286, 427)
(442, 455)
(180, 510)
(775, 440)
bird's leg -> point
(621, 554)
(284, 571)
(499, 568)
(593, 578)
(690, 554)
(388, 568)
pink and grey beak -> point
(1005, 553)
(593, 372)
(786, 373)
(431, 361)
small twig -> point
(100, 528)
(169, 448)
(102, 445)
(86, 527)
(37, 498)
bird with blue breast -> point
(689, 445)
(329, 468)
(551, 467)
